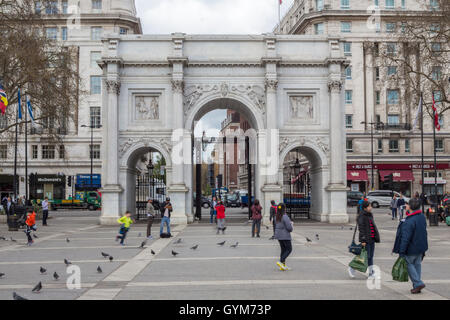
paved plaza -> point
(212, 271)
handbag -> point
(355, 248)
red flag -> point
(436, 116)
(281, 2)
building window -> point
(380, 146)
(391, 49)
(436, 48)
(407, 146)
(392, 70)
(347, 48)
(441, 121)
(96, 85)
(123, 31)
(37, 7)
(392, 96)
(390, 4)
(51, 7)
(3, 121)
(62, 152)
(377, 73)
(349, 145)
(319, 5)
(51, 33)
(393, 145)
(95, 56)
(436, 73)
(97, 4)
(94, 151)
(439, 145)
(348, 73)
(393, 120)
(346, 27)
(3, 151)
(376, 3)
(95, 117)
(64, 7)
(434, 4)
(34, 152)
(378, 118)
(376, 49)
(403, 4)
(64, 33)
(348, 96)
(390, 27)
(349, 121)
(345, 4)
(96, 33)
(48, 152)
(318, 28)
(377, 97)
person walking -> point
(283, 228)
(220, 209)
(411, 243)
(256, 218)
(394, 206)
(125, 223)
(166, 212)
(360, 202)
(150, 218)
(9, 207)
(272, 217)
(212, 210)
(30, 225)
(368, 236)
(401, 204)
(45, 206)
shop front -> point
(50, 186)
(357, 180)
(6, 186)
(402, 180)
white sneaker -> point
(351, 272)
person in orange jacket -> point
(31, 225)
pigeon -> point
(221, 243)
(17, 297)
(153, 252)
(105, 255)
(55, 276)
(308, 239)
(67, 240)
(2, 238)
(174, 253)
(42, 270)
(317, 237)
(140, 235)
(111, 258)
(178, 241)
(1, 275)
(195, 247)
(37, 288)
(13, 240)
(99, 270)
(234, 245)
(143, 244)
(267, 228)
(67, 262)
(35, 236)
(351, 228)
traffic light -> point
(69, 181)
(219, 181)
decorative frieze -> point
(322, 142)
(113, 86)
(178, 86)
(335, 86)
(165, 144)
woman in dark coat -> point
(256, 217)
(283, 229)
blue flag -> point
(30, 110)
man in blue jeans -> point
(166, 212)
(411, 242)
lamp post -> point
(150, 168)
(91, 148)
(372, 124)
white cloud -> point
(209, 16)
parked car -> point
(233, 200)
(379, 198)
(205, 202)
(353, 198)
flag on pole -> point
(436, 116)
(281, 2)
(19, 99)
(30, 110)
(418, 114)
(3, 100)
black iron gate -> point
(149, 187)
(296, 195)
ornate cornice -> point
(322, 142)
(183, 60)
(275, 60)
(113, 86)
(165, 144)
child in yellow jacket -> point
(125, 223)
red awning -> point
(357, 175)
(399, 175)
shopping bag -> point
(360, 262)
(400, 270)
(447, 220)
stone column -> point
(111, 190)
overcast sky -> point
(209, 16)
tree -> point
(44, 69)
(417, 54)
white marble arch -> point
(319, 174)
(127, 173)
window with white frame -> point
(62, 151)
(95, 56)
(95, 117)
(349, 121)
(51, 7)
(439, 145)
(376, 3)
(318, 28)
(64, 33)
(349, 145)
(3, 121)
(96, 85)
(392, 70)
(407, 145)
(345, 4)
(64, 7)
(436, 73)
(392, 96)
(347, 48)
(346, 26)
(380, 146)
(348, 96)
(319, 5)
(348, 73)
(51, 33)
(96, 33)
(94, 151)
(390, 27)
(393, 120)
(391, 48)
(97, 4)
(34, 151)
(3, 151)
(377, 73)
(403, 4)
(123, 31)
(434, 4)
(48, 152)
(377, 97)
(390, 4)
(393, 146)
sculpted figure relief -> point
(147, 108)
(302, 107)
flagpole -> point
(421, 140)
(279, 17)
(15, 151)
(26, 156)
(434, 151)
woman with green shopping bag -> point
(368, 236)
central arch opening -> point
(224, 159)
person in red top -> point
(31, 225)
(220, 209)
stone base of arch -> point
(180, 215)
(337, 207)
(270, 192)
(110, 205)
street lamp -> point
(372, 124)
(92, 147)
(150, 168)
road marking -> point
(100, 294)
(44, 285)
(58, 262)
